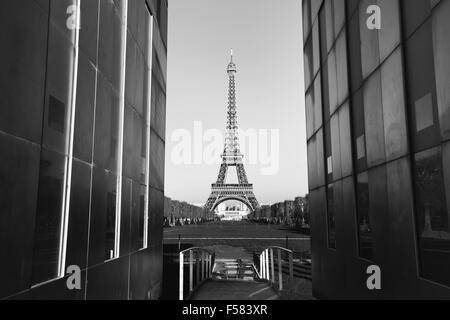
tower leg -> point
(222, 173)
(210, 203)
(242, 176)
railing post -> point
(209, 265)
(261, 265)
(206, 264)
(267, 265)
(291, 266)
(203, 265)
(280, 271)
(181, 276)
(197, 263)
(272, 274)
(191, 271)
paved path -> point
(235, 290)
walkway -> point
(235, 290)
(233, 274)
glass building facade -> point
(82, 139)
(378, 130)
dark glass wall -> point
(378, 148)
(105, 150)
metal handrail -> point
(281, 248)
(204, 262)
(197, 248)
(267, 266)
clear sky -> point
(266, 38)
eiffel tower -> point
(232, 157)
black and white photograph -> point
(229, 156)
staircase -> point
(205, 277)
(234, 279)
(302, 270)
(234, 269)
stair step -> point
(233, 269)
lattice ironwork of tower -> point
(232, 157)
